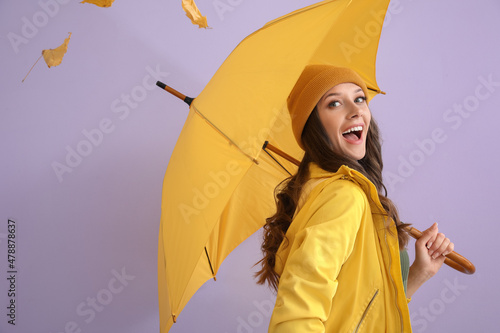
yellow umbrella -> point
(218, 187)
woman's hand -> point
(430, 251)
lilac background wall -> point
(77, 232)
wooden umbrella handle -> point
(453, 259)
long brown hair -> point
(318, 149)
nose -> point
(355, 111)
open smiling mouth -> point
(354, 133)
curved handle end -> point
(453, 259)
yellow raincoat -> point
(340, 271)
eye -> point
(333, 104)
(360, 99)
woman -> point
(332, 250)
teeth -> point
(353, 129)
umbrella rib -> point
(210, 264)
(223, 134)
(281, 165)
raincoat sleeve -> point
(308, 282)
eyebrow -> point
(338, 94)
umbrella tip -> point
(174, 92)
(161, 84)
(378, 91)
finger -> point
(450, 249)
(437, 243)
(428, 236)
(440, 259)
(442, 248)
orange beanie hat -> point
(312, 84)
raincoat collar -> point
(347, 173)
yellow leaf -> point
(100, 3)
(194, 14)
(53, 57)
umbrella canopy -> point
(218, 187)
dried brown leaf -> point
(54, 57)
(194, 14)
(100, 3)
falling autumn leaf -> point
(53, 57)
(100, 3)
(194, 14)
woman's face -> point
(346, 117)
